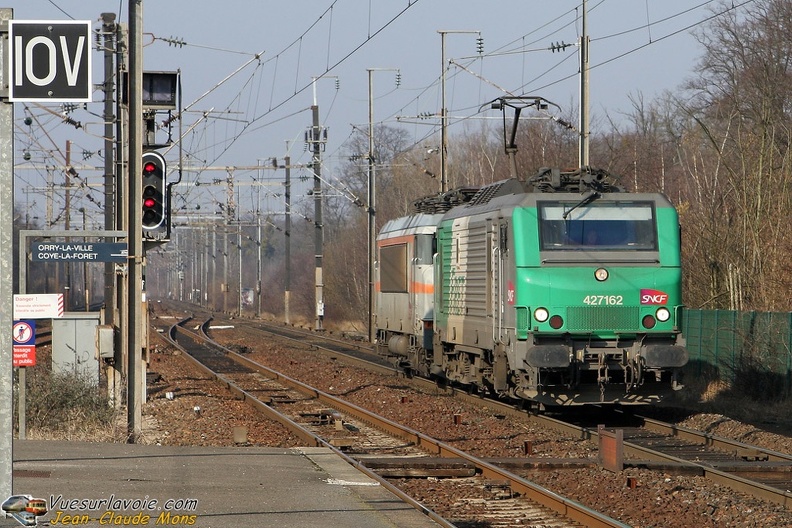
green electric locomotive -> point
(564, 297)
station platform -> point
(98, 484)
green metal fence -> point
(741, 347)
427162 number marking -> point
(603, 300)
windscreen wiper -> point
(586, 200)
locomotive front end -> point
(597, 298)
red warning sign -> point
(24, 335)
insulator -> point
(72, 122)
(398, 79)
(480, 45)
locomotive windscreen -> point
(600, 225)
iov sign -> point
(49, 60)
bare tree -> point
(346, 219)
(739, 161)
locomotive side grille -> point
(523, 321)
(591, 319)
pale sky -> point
(637, 46)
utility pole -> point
(444, 110)
(205, 268)
(584, 92)
(443, 116)
(316, 137)
(239, 276)
(258, 251)
(86, 292)
(230, 209)
(287, 281)
(225, 287)
(372, 208)
(67, 223)
(135, 374)
(108, 31)
(111, 284)
(121, 317)
(6, 264)
(214, 267)
(238, 219)
(316, 132)
(67, 190)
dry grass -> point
(79, 430)
(719, 397)
(69, 406)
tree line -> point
(718, 146)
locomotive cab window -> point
(393, 268)
(600, 226)
(425, 248)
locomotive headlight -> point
(541, 314)
(663, 314)
(601, 274)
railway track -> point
(759, 472)
(644, 442)
(365, 439)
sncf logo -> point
(653, 297)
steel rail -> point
(303, 433)
(564, 506)
(741, 449)
(736, 482)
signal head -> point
(153, 171)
